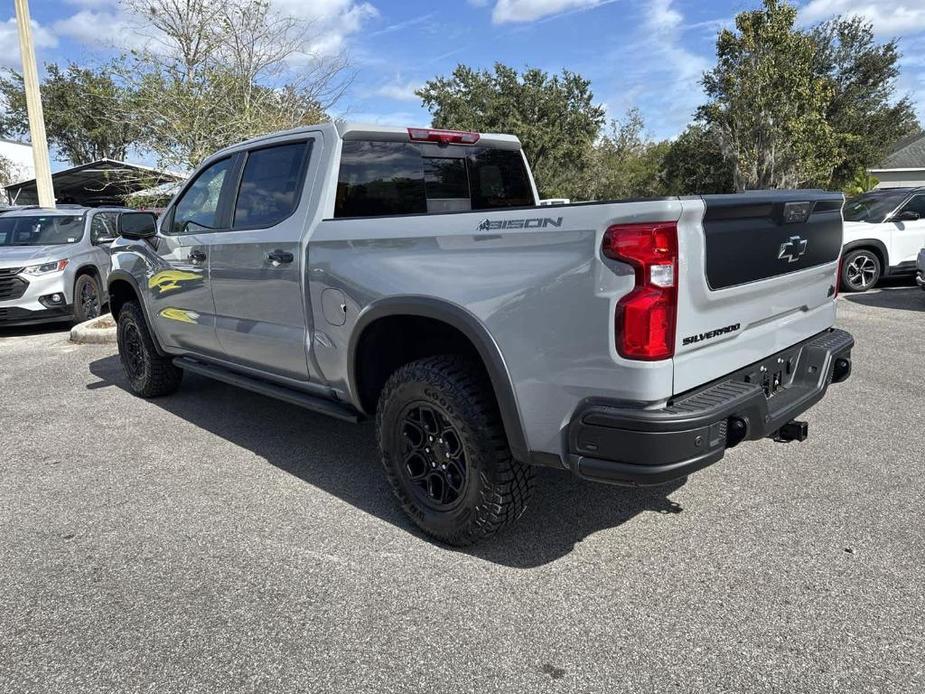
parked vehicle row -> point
(411, 276)
(54, 264)
(883, 231)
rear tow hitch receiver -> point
(793, 430)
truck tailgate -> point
(757, 274)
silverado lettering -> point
(693, 339)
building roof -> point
(909, 153)
(103, 182)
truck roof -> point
(348, 131)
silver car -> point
(54, 263)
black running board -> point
(293, 397)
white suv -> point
(54, 263)
(884, 230)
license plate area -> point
(774, 374)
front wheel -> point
(148, 373)
(860, 271)
(87, 301)
(445, 452)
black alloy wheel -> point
(433, 456)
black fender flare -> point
(879, 246)
(470, 326)
(118, 275)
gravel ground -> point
(216, 540)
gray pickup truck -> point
(409, 275)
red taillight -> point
(646, 317)
(444, 137)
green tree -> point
(553, 115)
(6, 176)
(624, 163)
(767, 105)
(863, 111)
(694, 164)
(88, 116)
(861, 182)
(215, 73)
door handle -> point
(279, 257)
(196, 257)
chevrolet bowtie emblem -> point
(792, 249)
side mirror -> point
(907, 216)
(137, 225)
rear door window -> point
(271, 184)
(394, 178)
(917, 205)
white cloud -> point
(104, 27)
(511, 11)
(333, 21)
(42, 37)
(400, 90)
(666, 85)
(663, 17)
(892, 17)
(103, 22)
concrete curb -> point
(97, 331)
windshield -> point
(41, 230)
(873, 207)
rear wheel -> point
(861, 269)
(148, 373)
(445, 452)
(87, 301)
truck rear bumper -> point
(622, 444)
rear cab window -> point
(380, 178)
(270, 185)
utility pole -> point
(34, 106)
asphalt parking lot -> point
(216, 540)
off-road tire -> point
(861, 269)
(84, 311)
(149, 374)
(496, 488)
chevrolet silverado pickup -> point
(410, 276)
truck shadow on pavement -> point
(342, 459)
(904, 298)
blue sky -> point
(644, 53)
